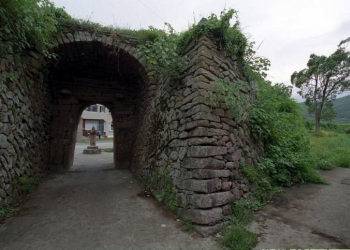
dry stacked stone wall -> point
(199, 145)
(24, 121)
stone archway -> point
(91, 70)
(182, 147)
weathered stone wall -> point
(24, 121)
(197, 144)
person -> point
(99, 134)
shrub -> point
(347, 131)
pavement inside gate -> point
(94, 206)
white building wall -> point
(92, 118)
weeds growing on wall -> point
(165, 54)
(229, 92)
(163, 189)
(162, 55)
(220, 31)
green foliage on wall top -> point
(27, 23)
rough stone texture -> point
(201, 186)
(203, 216)
(205, 151)
(160, 128)
(211, 200)
(206, 231)
(203, 163)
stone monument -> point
(92, 149)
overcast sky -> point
(289, 30)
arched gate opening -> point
(86, 73)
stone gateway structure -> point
(166, 133)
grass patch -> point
(330, 149)
(187, 225)
(107, 150)
(236, 236)
(25, 184)
(7, 211)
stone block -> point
(210, 173)
(199, 108)
(207, 74)
(226, 185)
(216, 132)
(202, 163)
(186, 106)
(237, 155)
(198, 93)
(187, 91)
(211, 200)
(203, 216)
(178, 143)
(200, 186)
(3, 193)
(199, 132)
(202, 85)
(205, 116)
(215, 125)
(181, 199)
(202, 141)
(3, 141)
(227, 210)
(205, 151)
(236, 193)
(174, 155)
(195, 124)
(200, 100)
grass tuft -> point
(187, 225)
(7, 211)
(237, 237)
(107, 150)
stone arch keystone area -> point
(166, 133)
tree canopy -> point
(322, 80)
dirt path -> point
(94, 206)
(308, 216)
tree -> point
(322, 80)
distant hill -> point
(341, 105)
